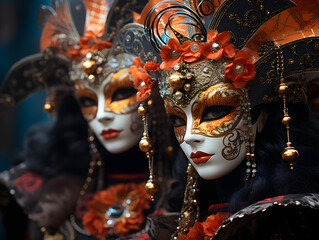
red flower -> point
(223, 45)
(205, 230)
(192, 51)
(241, 70)
(86, 44)
(131, 198)
(151, 66)
(171, 54)
(196, 232)
(143, 82)
(212, 223)
(94, 223)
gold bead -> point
(290, 154)
(91, 79)
(282, 88)
(141, 110)
(145, 144)
(89, 66)
(151, 187)
(176, 81)
(178, 96)
(286, 120)
(48, 107)
(150, 103)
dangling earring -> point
(290, 154)
(249, 141)
(145, 145)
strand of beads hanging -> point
(145, 145)
(96, 161)
(190, 210)
(290, 154)
(249, 141)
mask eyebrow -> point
(173, 110)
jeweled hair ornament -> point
(254, 45)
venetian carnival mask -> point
(214, 73)
(109, 102)
(211, 129)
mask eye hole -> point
(123, 93)
(87, 102)
(177, 121)
(213, 113)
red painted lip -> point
(110, 133)
(200, 157)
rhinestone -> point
(177, 67)
(100, 60)
(91, 79)
(206, 70)
(110, 222)
(128, 201)
(194, 47)
(215, 46)
(254, 170)
(248, 170)
(239, 68)
(189, 75)
(178, 95)
(143, 84)
(174, 54)
(128, 38)
(187, 87)
(89, 55)
(99, 70)
(115, 211)
(12, 191)
(253, 165)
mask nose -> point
(105, 117)
(193, 138)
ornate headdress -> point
(63, 48)
(255, 45)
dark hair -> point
(274, 176)
(60, 146)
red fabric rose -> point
(166, 54)
(241, 70)
(223, 39)
(143, 82)
(152, 66)
(188, 54)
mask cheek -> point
(180, 133)
(89, 112)
(124, 106)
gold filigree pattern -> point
(173, 110)
(232, 145)
(223, 94)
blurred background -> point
(19, 37)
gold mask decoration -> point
(215, 112)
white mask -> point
(111, 111)
(211, 129)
